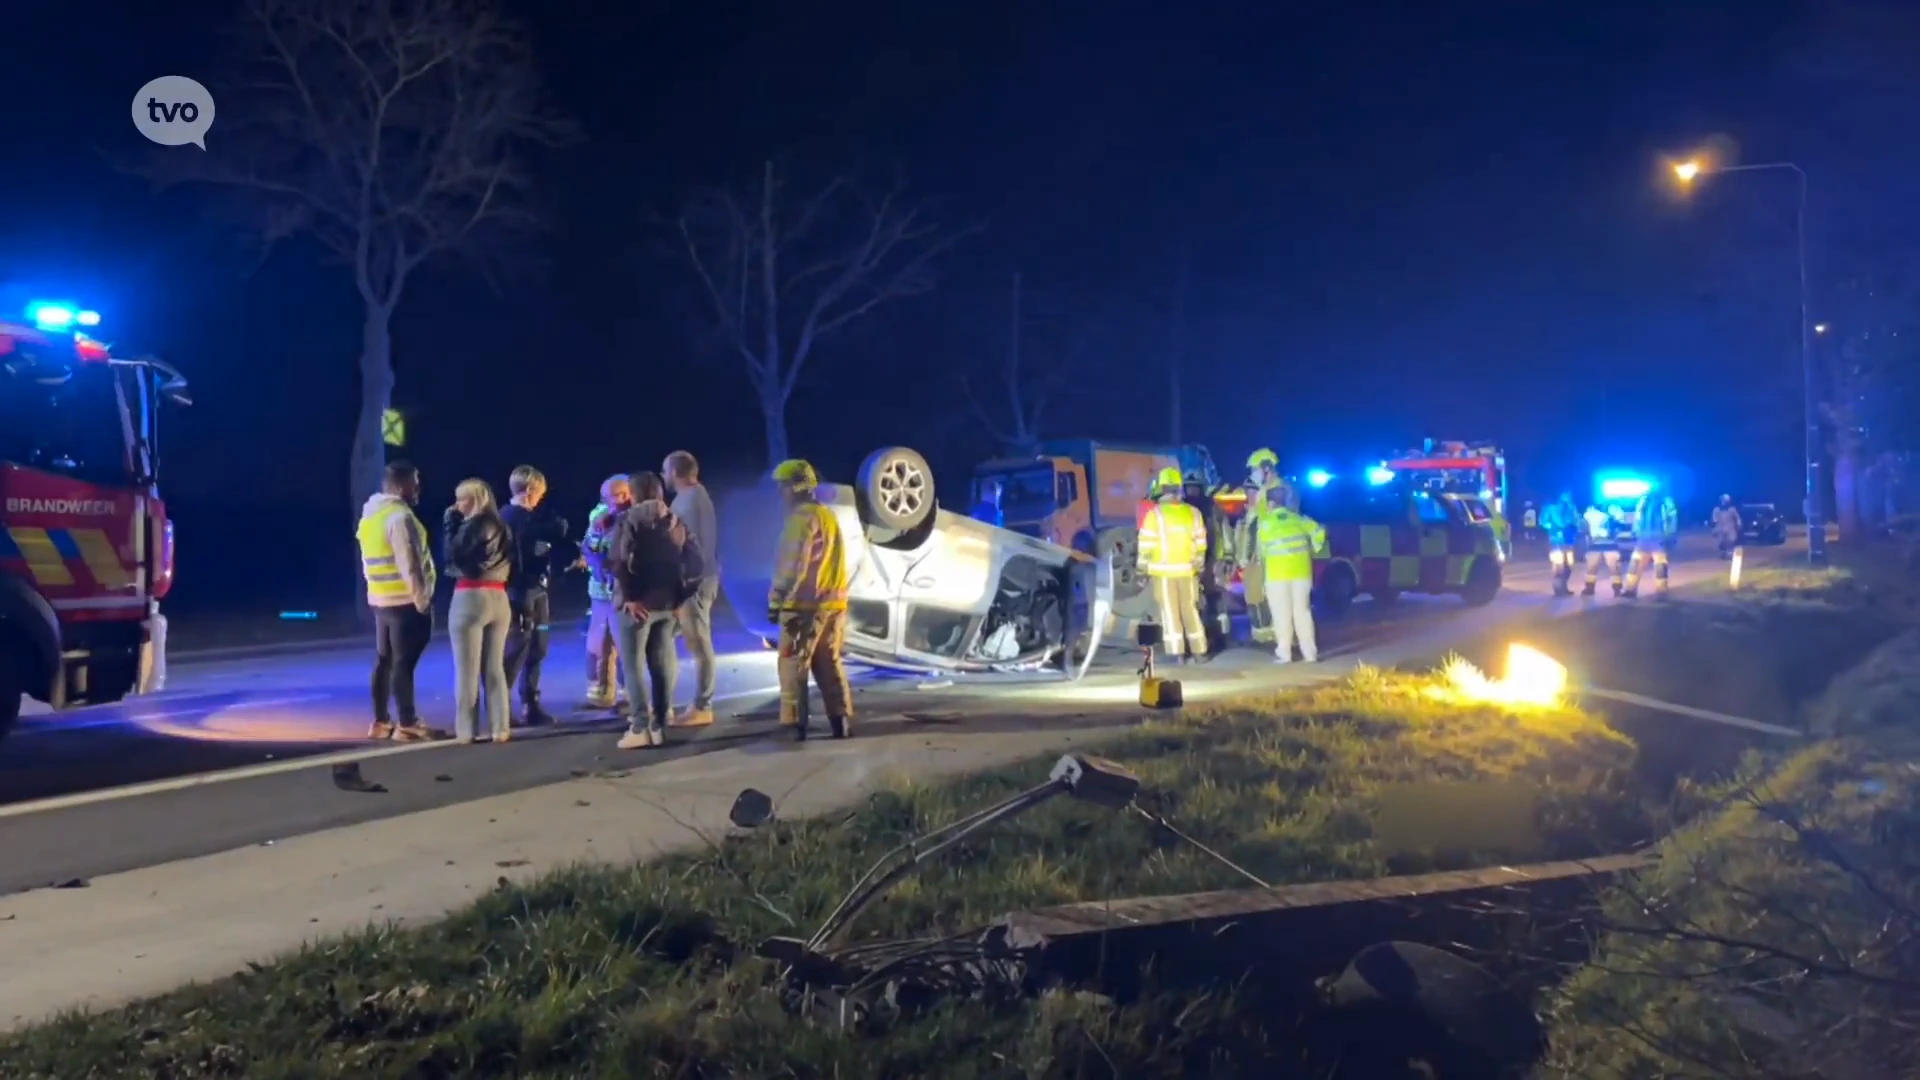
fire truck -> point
(1456, 467)
(86, 549)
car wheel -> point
(1333, 594)
(1483, 583)
(895, 490)
(1132, 599)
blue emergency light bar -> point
(1319, 477)
(1624, 487)
(1379, 475)
(54, 316)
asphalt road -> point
(245, 751)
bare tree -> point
(1026, 388)
(783, 270)
(389, 131)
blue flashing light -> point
(300, 616)
(1624, 487)
(1379, 475)
(54, 316)
(1319, 478)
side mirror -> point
(177, 392)
(752, 808)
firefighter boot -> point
(1587, 589)
(1660, 580)
(1562, 575)
(841, 726)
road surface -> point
(242, 752)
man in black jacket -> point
(534, 538)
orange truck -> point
(1085, 494)
(86, 548)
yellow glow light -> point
(1687, 170)
(1533, 679)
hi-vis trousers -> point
(1641, 557)
(1561, 557)
(810, 644)
(1595, 556)
(1253, 579)
(1178, 599)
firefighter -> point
(1726, 526)
(1288, 541)
(1264, 487)
(1217, 569)
(1562, 524)
(1173, 548)
(1600, 547)
(1656, 526)
(808, 602)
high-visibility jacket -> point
(1561, 522)
(1287, 543)
(1657, 516)
(387, 584)
(1599, 523)
(811, 574)
(1173, 541)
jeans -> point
(400, 636)
(648, 644)
(695, 619)
(527, 645)
(478, 621)
(603, 648)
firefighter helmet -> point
(1168, 480)
(796, 474)
(1263, 456)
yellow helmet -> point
(1263, 456)
(795, 473)
(1169, 478)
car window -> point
(1432, 511)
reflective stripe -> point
(378, 563)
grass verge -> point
(639, 971)
(1780, 935)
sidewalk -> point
(139, 934)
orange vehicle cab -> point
(86, 548)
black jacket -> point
(479, 548)
(653, 559)
(535, 535)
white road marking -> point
(265, 768)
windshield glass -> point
(71, 427)
(1026, 495)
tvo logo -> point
(174, 110)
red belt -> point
(464, 584)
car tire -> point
(895, 490)
(1333, 594)
(1483, 583)
(1132, 598)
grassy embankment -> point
(1780, 935)
(643, 971)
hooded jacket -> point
(597, 543)
(653, 560)
(411, 554)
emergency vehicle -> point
(1386, 537)
(86, 549)
(1618, 492)
(1459, 467)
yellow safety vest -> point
(812, 571)
(377, 562)
(1173, 540)
(1287, 543)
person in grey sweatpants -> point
(480, 551)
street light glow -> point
(1687, 170)
(1819, 328)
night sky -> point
(1399, 220)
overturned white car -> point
(930, 590)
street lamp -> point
(1688, 171)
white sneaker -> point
(1282, 658)
(659, 738)
(637, 740)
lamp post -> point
(1689, 171)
